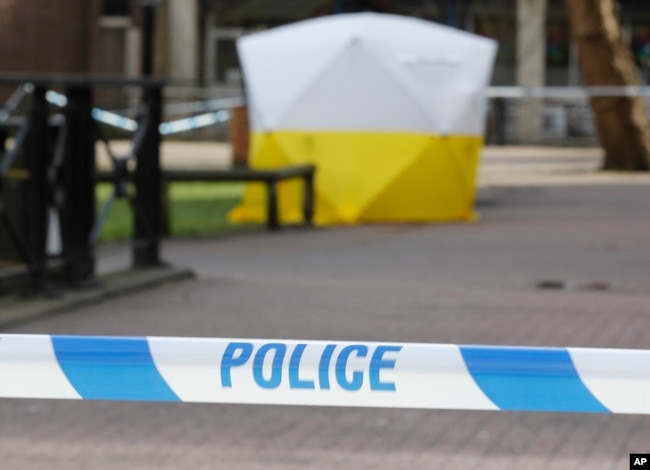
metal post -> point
(166, 209)
(3, 140)
(148, 206)
(148, 24)
(452, 13)
(272, 204)
(78, 173)
(37, 159)
(499, 118)
(308, 199)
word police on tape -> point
(325, 373)
(348, 378)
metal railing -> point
(549, 115)
(57, 163)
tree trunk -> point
(606, 60)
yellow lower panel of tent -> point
(368, 176)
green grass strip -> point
(195, 209)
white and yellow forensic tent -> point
(390, 109)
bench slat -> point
(235, 174)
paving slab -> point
(546, 264)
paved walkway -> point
(456, 283)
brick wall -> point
(47, 36)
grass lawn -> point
(196, 209)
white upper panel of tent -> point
(367, 72)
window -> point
(501, 28)
(227, 61)
(641, 45)
(557, 44)
(116, 8)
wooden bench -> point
(269, 177)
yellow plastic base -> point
(368, 176)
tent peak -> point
(365, 24)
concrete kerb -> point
(14, 309)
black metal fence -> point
(47, 169)
(562, 122)
(555, 116)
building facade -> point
(194, 42)
(194, 39)
(53, 36)
(494, 18)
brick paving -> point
(453, 283)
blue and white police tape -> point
(324, 373)
(194, 122)
(205, 106)
(101, 115)
(565, 92)
(166, 128)
(56, 98)
(115, 120)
